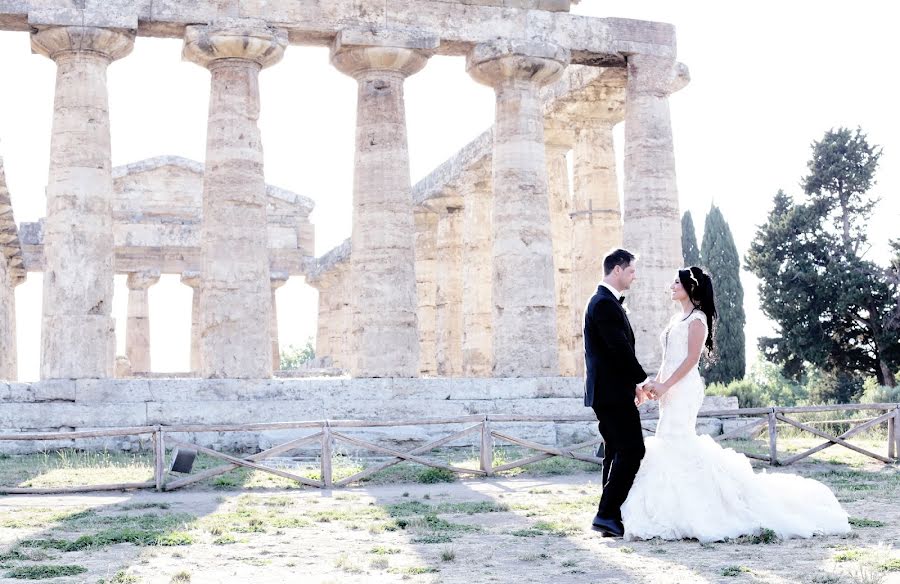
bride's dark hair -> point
(699, 288)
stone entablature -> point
(458, 25)
(157, 206)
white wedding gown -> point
(690, 487)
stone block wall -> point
(99, 403)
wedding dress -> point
(690, 487)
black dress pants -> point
(620, 426)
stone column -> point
(558, 145)
(596, 214)
(383, 237)
(524, 297)
(9, 363)
(426, 289)
(652, 223)
(448, 294)
(137, 327)
(235, 290)
(477, 311)
(277, 280)
(77, 329)
(192, 279)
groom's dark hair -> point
(617, 257)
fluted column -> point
(652, 226)
(137, 327)
(235, 290)
(448, 313)
(8, 348)
(77, 329)
(477, 312)
(561, 229)
(426, 289)
(192, 279)
(524, 296)
(383, 236)
(596, 214)
(276, 280)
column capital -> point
(500, 62)
(248, 40)
(142, 280)
(660, 76)
(191, 278)
(357, 61)
(56, 41)
(278, 279)
(356, 52)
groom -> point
(615, 384)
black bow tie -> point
(621, 299)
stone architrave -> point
(235, 289)
(448, 293)
(426, 289)
(477, 313)
(596, 213)
(277, 280)
(524, 296)
(192, 279)
(77, 329)
(558, 144)
(383, 236)
(652, 227)
(137, 326)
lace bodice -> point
(678, 407)
(674, 340)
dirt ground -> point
(513, 530)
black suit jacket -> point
(611, 369)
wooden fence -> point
(327, 433)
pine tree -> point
(834, 309)
(724, 265)
(689, 249)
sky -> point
(768, 78)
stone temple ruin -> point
(461, 294)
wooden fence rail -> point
(326, 436)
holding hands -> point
(650, 390)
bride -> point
(690, 487)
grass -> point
(863, 522)
(121, 577)
(731, 571)
(45, 571)
(765, 536)
(546, 528)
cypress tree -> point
(720, 255)
(689, 250)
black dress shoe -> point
(609, 527)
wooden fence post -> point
(327, 478)
(487, 448)
(773, 439)
(894, 435)
(159, 458)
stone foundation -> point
(68, 405)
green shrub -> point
(879, 394)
